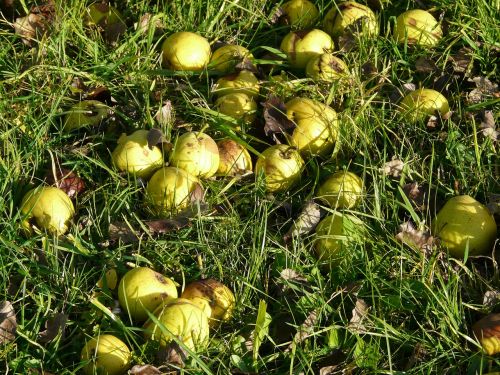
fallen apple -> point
(103, 15)
(219, 297)
(281, 165)
(335, 237)
(487, 331)
(181, 319)
(316, 126)
(225, 58)
(186, 51)
(87, 113)
(300, 13)
(243, 82)
(302, 46)
(234, 158)
(196, 153)
(421, 103)
(133, 155)
(347, 15)
(465, 224)
(110, 279)
(141, 290)
(343, 189)
(417, 27)
(238, 106)
(106, 354)
(170, 189)
(49, 207)
(326, 67)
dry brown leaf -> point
(66, 180)
(417, 194)
(279, 16)
(173, 354)
(275, 116)
(147, 21)
(461, 60)
(305, 330)
(425, 65)
(397, 93)
(359, 314)
(416, 239)
(54, 326)
(8, 322)
(305, 223)
(145, 370)
(38, 21)
(487, 327)
(491, 298)
(393, 168)
(493, 204)
(488, 126)
(484, 89)
(121, 231)
(165, 115)
(163, 226)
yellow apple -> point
(346, 14)
(85, 113)
(186, 51)
(225, 58)
(133, 155)
(169, 190)
(50, 207)
(110, 279)
(343, 189)
(243, 82)
(103, 15)
(463, 223)
(234, 158)
(182, 319)
(302, 46)
(107, 355)
(300, 13)
(317, 126)
(141, 290)
(281, 166)
(196, 153)
(417, 27)
(326, 67)
(421, 103)
(238, 106)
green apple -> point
(238, 106)
(141, 290)
(186, 51)
(182, 319)
(196, 153)
(346, 14)
(85, 113)
(422, 103)
(417, 27)
(343, 189)
(134, 156)
(170, 189)
(326, 67)
(106, 354)
(302, 46)
(243, 82)
(300, 13)
(281, 166)
(50, 207)
(317, 126)
(464, 223)
(225, 58)
(234, 158)
(103, 15)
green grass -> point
(421, 308)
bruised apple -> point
(302, 46)
(418, 27)
(234, 158)
(347, 15)
(421, 103)
(300, 13)
(225, 58)
(281, 166)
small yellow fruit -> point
(196, 153)
(464, 223)
(421, 103)
(243, 82)
(317, 126)
(103, 15)
(50, 207)
(186, 51)
(281, 166)
(347, 14)
(107, 355)
(302, 46)
(169, 190)
(326, 67)
(85, 113)
(487, 331)
(110, 279)
(234, 158)
(342, 190)
(225, 58)
(417, 27)
(238, 106)
(141, 290)
(133, 155)
(219, 297)
(335, 236)
(300, 13)
(181, 319)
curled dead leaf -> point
(173, 354)
(145, 370)
(491, 298)
(305, 330)
(305, 223)
(425, 65)
(484, 89)
(275, 117)
(488, 126)
(33, 26)
(414, 238)
(66, 180)
(148, 21)
(487, 331)
(393, 168)
(359, 314)
(165, 114)
(279, 16)
(54, 326)
(8, 322)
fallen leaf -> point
(163, 226)
(359, 314)
(34, 25)
(66, 180)
(488, 126)
(154, 137)
(8, 322)
(173, 354)
(147, 21)
(484, 89)
(305, 330)
(417, 356)
(275, 117)
(491, 298)
(462, 60)
(425, 65)
(493, 204)
(393, 168)
(368, 70)
(305, 223)
(414, 238)
(279, 16)
(198, 194)
(165, 114)
(144, 370)
(121, 231)
(54, 326)
(397, 93)
(486, 328)
(417, 194)
(247, 64)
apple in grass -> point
(234, 158)
(349, 14)
(243, 82)
(342, 190)
(225, 58)
(186, 51)
(421, 103)
(327, 67)
(106, 354)
(239, 106)
(417, 27)
(300, 13)
(302, 46)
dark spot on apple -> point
(412, 22)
